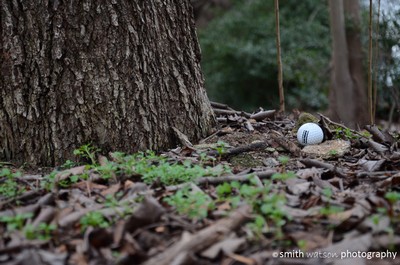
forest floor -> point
(247, 194)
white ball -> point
(310, 133)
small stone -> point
(328, 149)
(270, 162)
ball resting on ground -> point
(310, 133)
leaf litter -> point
(247, 194)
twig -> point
(25, 196)
(377, 135)
(329, 121)
(248, 126)
(377, 174)
(217, 180)
(210, 136)
(285, 143)
(202, 239)
(315, 163)
(240, 149)
(262, 115)
(218, 105)
(17, 248)
(232, 112)
(379, 148)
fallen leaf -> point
(228, 245)
(148, 212)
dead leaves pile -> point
(343, 203)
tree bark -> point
(118, 74)
(341, 82)
(353, 37)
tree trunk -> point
(341, 92)
(118, 74)
(353, 36)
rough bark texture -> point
(341, 92)
(118, 74)
(353, 37)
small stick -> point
(240, 149)
(232, 112)
(262, 115)
(315, 163)
(341, 126)
(285, 143)
(379, 174)
(218, 105)
(217, 180)
(377, 135)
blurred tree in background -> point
(239, 54)
(388, 66)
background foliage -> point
(239, 55)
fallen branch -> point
(315, 163)
(202, 239)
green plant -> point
(65, 183)
(267, 204)
(190, 203)
(204, 158)
(108, 170)
(68, 164)
(9, 187)
(329, 209)
(48, 182)
(221, 148)
(284, 160)
(94, 219)
(153, 168)
(346, 133)
(15, 222)
(87, 151)
(333, 152)
(392, 196)
(327, 192)
(284, 175)
(224, 189)
(111, 202)
(43, 231)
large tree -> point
(118, 74)
(347, 96)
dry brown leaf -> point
(228, 245)
(148, 212)
(111, 190)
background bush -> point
(239, 55)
